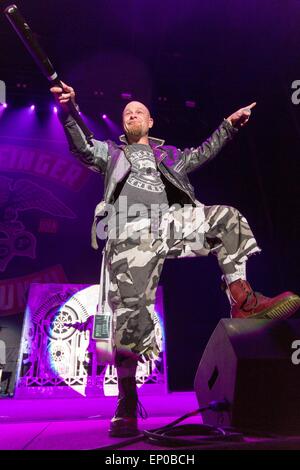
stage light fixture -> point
(126, 96)
(190, 104)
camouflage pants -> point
(135, 264)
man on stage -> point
(155, 215)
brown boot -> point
(124, 422)
(245, 303)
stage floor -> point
(82, 423)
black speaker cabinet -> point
(252, 364)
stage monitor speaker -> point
(255, 366)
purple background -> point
(222, 55)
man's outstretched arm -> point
(92, 153)
(195, 157)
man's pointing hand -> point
(241, 117)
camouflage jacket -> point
(109, 159)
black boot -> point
(124, 422)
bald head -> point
(132, 105)
(137, 121)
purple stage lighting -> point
(32, 107)
(126, 96)
(104, 116)
(190, 104)
(4, 105)
(55, 109)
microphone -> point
(30, 41)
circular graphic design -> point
(144, 174)
(54, 324)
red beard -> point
(134, 129)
